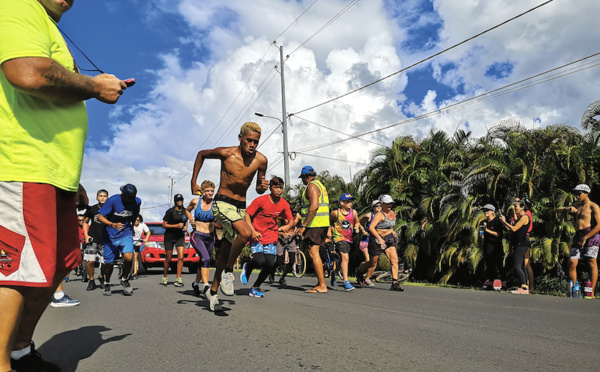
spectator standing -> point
(43, 127)
(139, 229)
(493, 252)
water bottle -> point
(481, 231)
(576, 290)
(587, 289)
(570, 289)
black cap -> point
(129, 190)
(178, 197)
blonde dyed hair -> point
(206, 184)
(249, 127)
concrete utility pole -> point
(286, 158)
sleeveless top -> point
(386, 224)
(343, 227)
(322, 217)
(201, 215)
(521, 236)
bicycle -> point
(299, 267)
(386, 276)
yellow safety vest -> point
(322, 217)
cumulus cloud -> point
(201, 103)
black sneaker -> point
(91, 286)
(101, 280)
(33, 362)
(360, 278)
(196, 289)
(271, 278)
(396, 287)
(107, 291)
(127, 289)
(282, 281)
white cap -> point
(583, 187)
(375, 202)
(489, 207)
(386, 199)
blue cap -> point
(129, 190)
(346, 197)
(307, 169)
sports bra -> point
(386, 224)
(201, 215)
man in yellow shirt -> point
(43, 127)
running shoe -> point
(368, 283)
(348, 286)
(227, 283)
(107, 291)
(164, 282)
(213, 301)
(91, 285)
(127, 289)
(360, 278)
(396, 287)
(178, 282)
(255, 292)
(67, 279)
(66, 301)
(520, 291)
(271, 278)
(282, 281)
(33, 362)
(333, 280)
(243, 277)
(196, 289)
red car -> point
(153, 253)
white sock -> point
(18, 354)
(58, 295)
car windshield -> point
(157, 229)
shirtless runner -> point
(239, 164)
(587, 240)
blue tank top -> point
(202, 215)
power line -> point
(426, 59)
(338, 131)
(479, 98)
(296, 20)
(333, 19)
(328, 158)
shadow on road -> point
(68, 348)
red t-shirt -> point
(264, 217)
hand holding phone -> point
(129, 82)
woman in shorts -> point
(139, 228)
(382, 241)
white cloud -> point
(190, 98)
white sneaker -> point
(227, 284)
(214, 304)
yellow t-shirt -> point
(40, 141)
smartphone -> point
(129, 82)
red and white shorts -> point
(38, 233)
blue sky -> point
(206, 66)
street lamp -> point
(286, 163)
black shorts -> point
(315, 235)
(343, 246)
(169, 244)
(375, 249)
(136, 248)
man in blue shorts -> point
(119, 214)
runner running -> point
(119, 213)
(262, 216)
(344, 221)
(287, 243)
(175, 225)
(382, 240)
(366, 220)
(93, 251)
(239, 164)
(139, 228)
(203, 236)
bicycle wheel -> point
(300, 265)
(384, 278)
(402, 277)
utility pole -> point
(286, 158)
(171, 191)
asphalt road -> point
(369, 329)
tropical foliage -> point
(440, 183)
